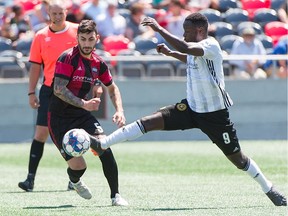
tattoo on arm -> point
(112, 96)
(61, 91)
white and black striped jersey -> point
(205, 79)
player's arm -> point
(180, 45)
(97, 89)
(62, 92)
(34, 75)
(162, 48)
(115, 96)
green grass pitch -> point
(156, 178)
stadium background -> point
(259, 110)
(260, 106)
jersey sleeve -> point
(35, 50)
(105, 75)
(210, 47)
(63, 69)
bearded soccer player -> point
(77, 71)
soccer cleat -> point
(119, 201)
(28, 184)
(70, 186)
(96, 146)
(82, 189)
(277, 198)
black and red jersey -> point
(82, 74)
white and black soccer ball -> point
(76, 142)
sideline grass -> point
(157, 178)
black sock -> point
(36, 153)
(75, 175)
(110, 170)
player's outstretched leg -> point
(128, 132)
(254, 171)
(95, 145)
(276, 197)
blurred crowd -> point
(21, 19)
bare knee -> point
(77, 163)
(41, 133)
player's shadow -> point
(40, 191)
(51, 207)
(199, 208)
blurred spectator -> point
(246, 69)
(75, 14)
(146, 4)
(27, 5)
(281, 65)
(111, 23)
(39, 16)
(94, 8)
(175, 17)
(134, 28)
(282, 12)
(6, 13)
(197, 5)
(6, 30)
(160, 4)
(19, 23)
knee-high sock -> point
(75, 175)
(36, 152)
(254, 171)
(110, 170)
(129, 132)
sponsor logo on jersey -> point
(79, 68)
(83, 79)
(181, 106)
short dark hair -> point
(198, 19)
(87, 26)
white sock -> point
(128, 132)
(254, 171)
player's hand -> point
(119, 118)
(33, 101)
(92, 104)
(149, 21)
(162, 48)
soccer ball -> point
(76, 142)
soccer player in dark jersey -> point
(77, 71)
(207, 102)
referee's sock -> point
(36, 153)
(128, 132)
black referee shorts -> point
(44, 96)
(216, 125)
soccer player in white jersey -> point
(206, 104)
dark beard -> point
(85, 53)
